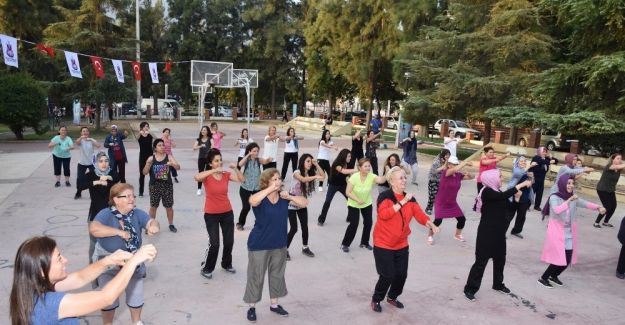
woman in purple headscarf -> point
(543, 160)
(560, 247)
(493, 205)
(569, 169)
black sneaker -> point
(280, 311)
(518, 235)
(596, 225)
(537, 209)
(620, 275)
(206, 274)
(502, 289)
(367, 246)
(230, 270)
(173, 229)
(288, 256)
(555, 280)
(609, 225)
(375, 306)
(306, 251)
(176, 179)
(345, 248)
(67, 183)
(57, 184)
(77, 196)
(545, 283)
(395, 303)
(469, 296)
(251, 314)
(320, 224)
(428, 211)
(239, 227)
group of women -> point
(115, 224)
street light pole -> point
(138, 57)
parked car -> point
(362, 115)
(392, 123)
(222, 111)
(549, 139)
(459, 127)
(126, 108)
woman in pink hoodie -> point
(560, 248)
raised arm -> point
(80, 304)
(173, 163)
(236, 175)
(345, 171)
(258, 197)
(77, 280)
(148, 165)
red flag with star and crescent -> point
(97, 66)
(46, 50)
(136, 70)
(168, 66)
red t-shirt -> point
(484, 168)
(217, 194)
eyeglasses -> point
(126, 196)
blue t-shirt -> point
(270, 228)
(106, 217)
(46, 310)
(376, 124)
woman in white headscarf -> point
(519, 207)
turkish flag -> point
(46, 50)
(168, 66)
(136, 70)
(97, 66)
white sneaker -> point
(139, 323)
(199, 192)
(430, 240)
(320, 189)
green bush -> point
(23, 103)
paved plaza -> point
(333, 287)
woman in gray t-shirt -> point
(606, 188)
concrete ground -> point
(331, 288)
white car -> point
(392, 123)
(459, 127)
(223, 111)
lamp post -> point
(138, 57)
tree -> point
(89, 29)
(23, 102)
(478, 55)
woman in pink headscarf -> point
(493, 205)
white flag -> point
(72, 64)
(119, 70)
(153, 72)
(9, 49)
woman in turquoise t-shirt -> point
(359, 201)
(61, 144)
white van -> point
(165, 106)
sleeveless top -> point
(159, 172)
(203, 150)
(252, 175)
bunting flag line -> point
(136, 70)
(46, 50)
(119, 70)
(168, 66)
(153, 72)
(9, 50)
(96, 61)
(73, 65)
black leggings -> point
(202, 165)
(392, 267)
(520, 209)
(459, 225)
(325, 165)
(213, 222)
(119, 166)
(353, 216)
(332, 189)
(474, 281)
(608, 200)
(555, 270)
(142, 162)
(245, 201)
(57, 165)
(302, 214)
(374, 164)
(82, 169)
(538, 187)
(288, 156)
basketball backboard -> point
(207, 73)
(242, 76)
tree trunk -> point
(98, 116)
(18, 131)
(273, 100)
(487, 130)
(303, 88)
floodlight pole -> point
(138, 56)
(247, 92)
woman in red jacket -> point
(396, 209)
